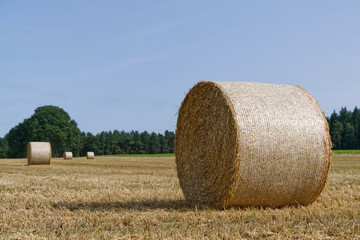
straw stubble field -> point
(140, 198)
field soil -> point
(140, 198)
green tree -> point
(164, 148)
(124, 141)
(349, 137)
(48, 123)
(344, 129)
(155, 146)
(110, 143)
(356, 124)
(82, 144)
(17, 139)
(91, 144)
(336, 132)
(117, 147)
(344, 115)
(3, 148)
(135, 143)
(145, 140)
(102, 142)
(169, 137)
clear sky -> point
(128, 64)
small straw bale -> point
(67, 155)
(90, 155)
(38, 153)
(251, 144)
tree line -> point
(345, 128)
(52, 124)
(134, 142)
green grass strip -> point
(352, 151)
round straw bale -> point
(38, 153)
(251, 144)
(67, 155)
(90, 155)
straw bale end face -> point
(251, 144)
(38, 153)
(67, 155)
(206, 145)
(90, 155)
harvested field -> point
(140, 198)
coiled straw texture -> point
(251, 144)
(90, 155)
(67, 155)
(38, 153)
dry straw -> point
(67, 155)
(38, 153)
(90, 155)
(251, 144)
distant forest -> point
(134, 142)
(110, 142)
(345, 129)
(53, 124)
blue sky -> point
(128, 64)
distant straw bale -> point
(67, 155)
(38, 153)
(90, 155)
(251, 144)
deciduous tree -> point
(48, 124)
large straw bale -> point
(90, 155)
(67, 155)
(38, 153)
(251, 144)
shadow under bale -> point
(145, 205)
